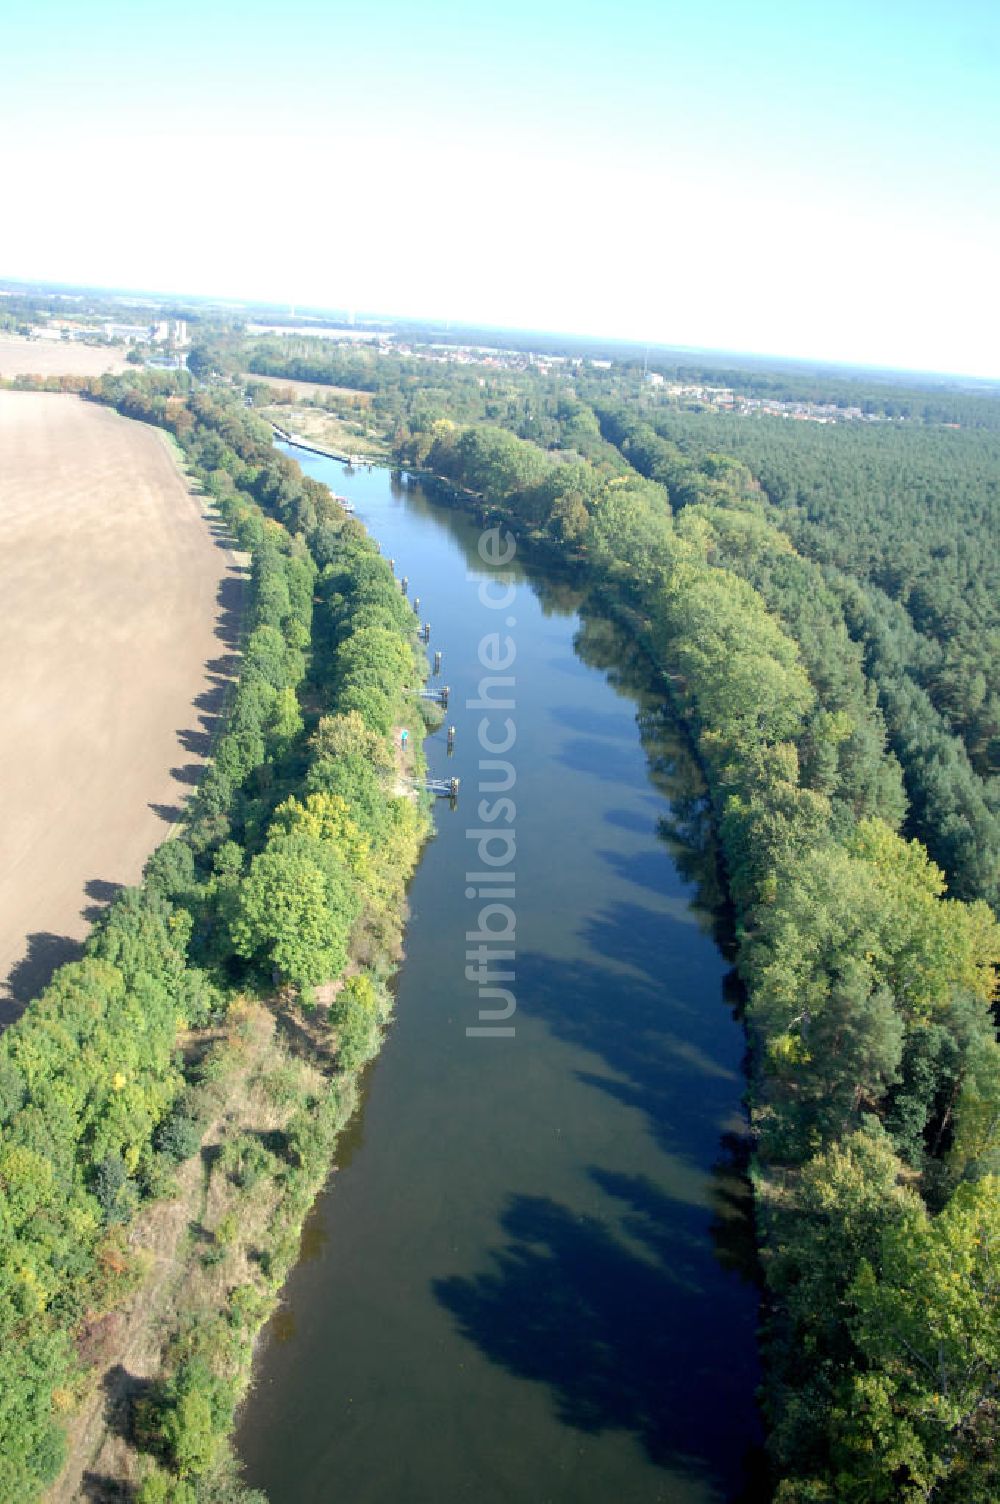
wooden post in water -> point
(426, 634)
(437, 662)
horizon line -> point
(451, 323)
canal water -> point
(529, 1279)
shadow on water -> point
(670, 1077)
(604, 1305)
(583, 754)
(685, 823)
(603, 1320)
(616, 1278)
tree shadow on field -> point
(103, 893)
(170, 813)
(45, 954)
(188, 773)
(229, 600)
(221, 673)
(123, 1391)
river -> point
(528, 1279)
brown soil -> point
(121, 602)
(310, 388)
(51, 357)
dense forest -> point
(902, 529)
(915, 513)
(876, 1071)
(900, 520)
(820, 603)
(820, 600)
(287, 872)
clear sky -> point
(764, 175)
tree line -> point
(875, 1087)
(287, 872)
(921, 666)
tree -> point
(295, 908)
(327, 818)
(921, 1415)
(354, 1016)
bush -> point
(354, 1016)
(116, 1194)
(179, 1138)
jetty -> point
(329, 454)
(445, 788)
(355, 461)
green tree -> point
(295, 909)
(920, 1416)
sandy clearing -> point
(310, 388)
(119, 603)
(50, 357)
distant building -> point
(132, 334)
(169, 332)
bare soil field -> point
(121, 610)
(310, 388)
(51, 357)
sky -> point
(775, 177)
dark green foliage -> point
(179, 1137)
(868, 994)
(189, 1415)
(354, 1016)
(115, 1193)
(94, 1107)
(905, 522)
(170, 870)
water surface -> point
(526, 1280)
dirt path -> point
(120, 604)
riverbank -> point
(852, 959)
(540, 1226)
(224, 1227)
(210, 1256)
(287, 1079)
(206, 1058)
